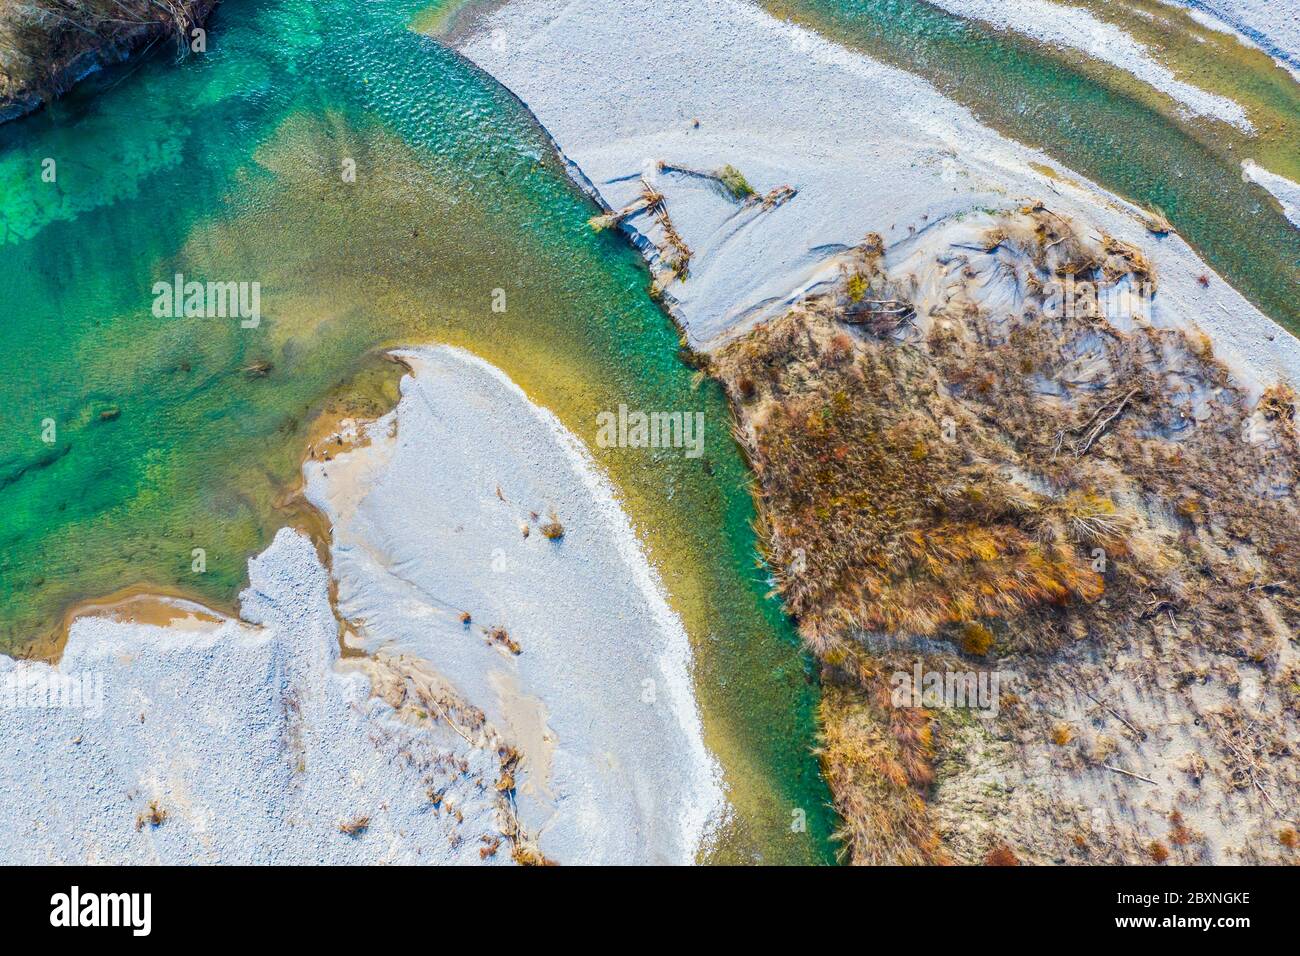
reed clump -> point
(735, 182)
(878, 772)
(894, 528)
(152, 816)
(552, 529)
(935, 473)
(354, 826)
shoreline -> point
(474, 491)
(1254, 21)
(104, 52)
(556, 779)
(749, 266)
(1074, 28)
(1280, 188)
(179, 749)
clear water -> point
(1099, 122)
(227, 167)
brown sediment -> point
(153, 609)
(136, 604)
(337, 427)
(959, 488)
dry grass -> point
(915, 478)
(1180, 834)
(356, 826)
(1001, 855)
(895, 528)
(976, 639)
(153, 816)
(500, 637)
(523, 848)
(1252, 749)
(676, 254)
(779, 196)
(39, 38)
(1278, 402)
(876, 761)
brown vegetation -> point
(876, 760)
(153, 816)
(1001, 855)
(931, 474)
(893, 527)
(500, 637)
(39, 39)
(355, 826)
(523, 848)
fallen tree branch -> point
(1116, 714)
(1130, 773)
(1092, 431)
(1104, 424)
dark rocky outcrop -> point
(47, 46)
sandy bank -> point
(869, 148)
(1284, 190)
(197, 738)
(1076, 29)
(1272, 25)
(230, 742)
(428, 522)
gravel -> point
(623, 84)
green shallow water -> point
(1097, 121)
(227, 168)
